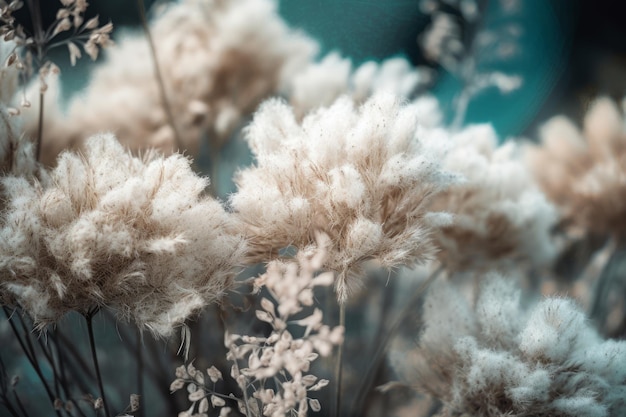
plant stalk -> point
(94, 356)
(339, 367)
(158, 75)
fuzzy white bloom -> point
(110, 229)
(359, 174)
(321, 83)
(500, 358)
(218, 60)
(584, 173)
(501, 215)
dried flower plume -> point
(360, 175)
(501, 359)
(500, 215)
(584, 173)
(109, 229)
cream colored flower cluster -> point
(321, 83)
(111, 230)
(500, 215)
(501, 358)
(584, 172)
(359, 174)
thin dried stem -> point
(159, 76)
(382, 347)
(28, 350)
(140, 366)
(40, 127)
(339, 367)
(94, 356)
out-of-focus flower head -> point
(500, 215)
(584, 172)
(218, 60)
(499, 358)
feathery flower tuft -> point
(321, 83)
(501, 359)
(584, 173)
(113, 230)
(360, 175)
(500, 215)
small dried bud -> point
(196, 395)
(134, 402)
(214, 374)
(63, 14)
(58, 404)
(92, 23)
(62, 26)
(315, 405)
(217, 401)
(78, 20)
(98, 404)
(69, 406)
(74, 52)
(177, 384)
(203, 407)
(15, 5)
(11, 59)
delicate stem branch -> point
(159, 78)
(94, 356)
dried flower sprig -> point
(109, 229)
(69, 18)
(362, 175)
(273, 371)
(33, 48)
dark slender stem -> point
(4, 400)
(40, 127)
(20, 404)
(139, 353)
(339, 367)
(8, 406)
(32, 357)
(94, 357)
(382, 347)
(62, 370)
(159, 77)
